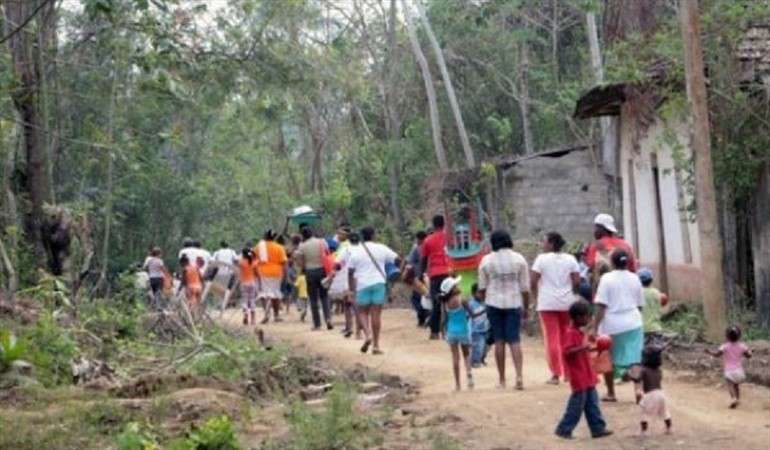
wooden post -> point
(712, 281)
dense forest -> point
(131, 123)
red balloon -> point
(663, 299)
(603, 343)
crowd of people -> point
(599, 312)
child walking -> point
(653, 307)
(582, 378)
(732, 352)
(192, 282)
(458, 330)
(653, 401)
(302, 298)
(248, 277)
(480, 328)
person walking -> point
(339, 289)
(366, 277)
(310, 255)
(435, 263)
(222, 267)
(249, 279)
(156, 271)
(619, 300)
(272, 260)
(504, 283)
(413, 266)
(598, 254)
(555, 279)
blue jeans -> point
(582, 402)
(479, 347)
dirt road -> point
(495, 419)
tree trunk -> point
(392, 118)
(608, 125)
(524, 98)
(470, 159)
(26, 98)
(712, 282)
(623, 18)
(430, 90)
(555, 11)
(728, 227)
(283, 152)
(110, 181)
(760, 241)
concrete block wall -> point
(556, 194)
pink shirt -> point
(732, 354)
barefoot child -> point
(302, 298)
(480, 328)
(457, 326)
(582, 378)
(192, 282)
(732, 352)
(653, 401)
(248, 277)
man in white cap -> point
(607, 240)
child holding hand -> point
(732, 352)
(582, 378)
(480, 328)
(457, 326)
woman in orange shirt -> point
(192, 282)
(248, 278)
(272, 261)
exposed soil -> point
(488, 418)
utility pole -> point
(712, 282)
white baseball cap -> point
(606, 221)
(449, 283)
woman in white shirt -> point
(555, 278)
(619, 301)
(366, 268)
(504, 282)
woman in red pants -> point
(555, 279)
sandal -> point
(365, 347)
(377, 351)
(519, 385)
(610, 399)
(553, 381)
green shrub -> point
(134, 437)
(687, 321)
(337, 427)
(11, 349)
(218, 433)
(51, 349)
(110, 319)
(243, 357)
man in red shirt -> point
(435, 263)
(598, 254)
(582, 378)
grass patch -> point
(68, 425)
(338, 426)
(442, 441)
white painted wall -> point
(641, 226)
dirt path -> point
(494, 419)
